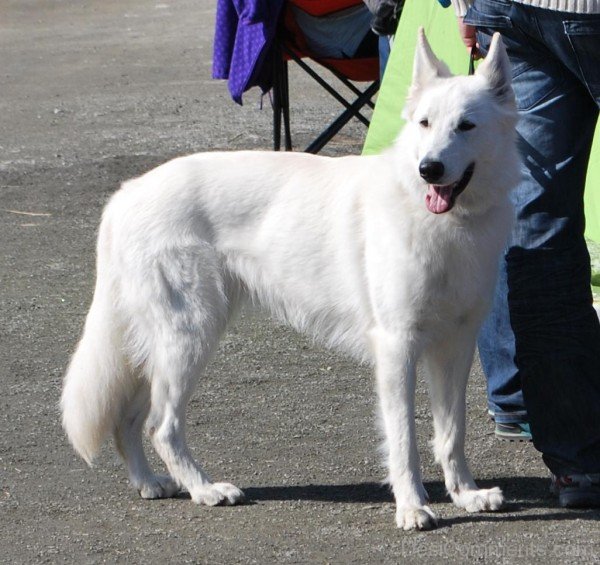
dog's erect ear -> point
(426, 65)
(496, 69)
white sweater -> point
(574, 6)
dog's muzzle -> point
(441, 197)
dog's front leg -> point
(447, 367)
(395, 359)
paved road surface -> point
(92, 93)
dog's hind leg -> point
(447, 367)
(396, 357)
(172, 385)
(189, 320)
(128, 438)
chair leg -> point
(285, 106)
(276, 103)
(352, 88)
(315, 76)
(281, 101)
(343, 119)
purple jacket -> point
(244, 32)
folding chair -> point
(291, 44)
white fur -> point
(342, 248)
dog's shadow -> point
(361, 493)
(522, 494)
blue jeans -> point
(540, 346)
(384, 53)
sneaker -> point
(513, 431)
(577, 491)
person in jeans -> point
(540, 346)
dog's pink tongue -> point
(439, 198)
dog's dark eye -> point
(466, 125)
(424, 123)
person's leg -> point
(496, 345)
(385, 48)
(496, 340)
(556, 331)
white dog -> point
(391, 258)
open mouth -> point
(441, 197)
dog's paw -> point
(416, 518)
(218, 494)
(158, 486)
(479, 500)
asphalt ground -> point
(92, 93)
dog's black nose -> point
(431, 171)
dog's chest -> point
(446, 272)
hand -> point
(468, 36)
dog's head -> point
(462, 130)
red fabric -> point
(323, 7)
(360, 70)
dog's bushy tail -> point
(98, 380)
